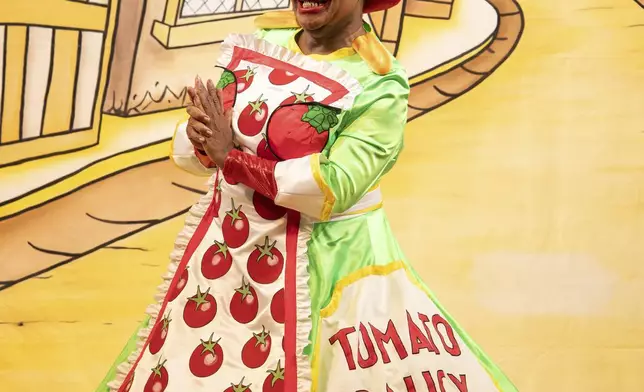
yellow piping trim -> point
(353, 277)
(329, 197)
(338, 54)
(362, 211)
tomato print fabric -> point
(309, 291)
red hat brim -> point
(378, 5)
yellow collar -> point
(338, 54)
(368, 46)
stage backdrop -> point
(519, 197)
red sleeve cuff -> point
(252, 171)
(204, 159)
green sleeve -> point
(367, 147)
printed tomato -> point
(235, 227)
(238, 387)
(217, 199)
(207, 358)
(274, 382)
(256, 350)
(299, 130)
(244, 78)
(216, 261)
(280, 77)
(244, 304)
(159, 334)
(302, 97)
(266, 208)
(127, 383)
(263, 151)
(228, 85)
(277, 306)
(158, 380)
(265, 263)
(200, 309)
(253, 117)
(176, 290)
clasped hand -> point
(210, 125)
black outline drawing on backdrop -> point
(76, 256)
(435, 17)
(640, 2)
(445, 96)
(76, 74)
(25, 61)
(3, 74)
(50, 75)
(482, 75)
(5, 202)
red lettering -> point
(432, 347)
(343, 337)
(418, 339)
(372, 357)
(429, 381)
(389, 388)
(390, 335)
(454, 350)
(409, 384)
(460, 384)
(441, 376)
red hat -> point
(378, 5)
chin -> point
(312, 20)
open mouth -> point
(307, 6)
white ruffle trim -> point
(303, 298)
(193, 218)
(248, 41)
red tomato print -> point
(200, 309)
(158, 380)
(245, 78)
(253, 117)
(263, 151)
(176, 290)
(238, 387)
(228, 86)
(274, 382)
(277, 306)
(216, 261)
(265, 263)
(127, 383)
(159, 334)
(217, 198)
(256, 350)
(207, 358)
(244, 304)
(280, 77)
(235, 228)
(299, 130)
(266, 208)
(302, 97)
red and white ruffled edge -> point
(193, 218)
(251, 42)
(303, 304)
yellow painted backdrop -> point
(521, 203)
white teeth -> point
(310, 4)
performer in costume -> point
(286, 276)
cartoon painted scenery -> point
(517, 197)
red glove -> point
(252, 171)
